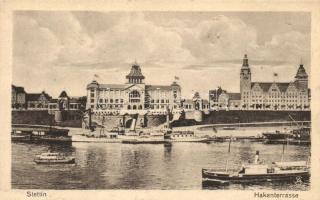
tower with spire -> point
(245, 80)
(301, 78)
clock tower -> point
(245, 81)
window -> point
(92, 95)
(92, 101)
(117, 100)
(121, 100)
(111, 100)
(134, 96)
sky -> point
(60, 50)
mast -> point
(284, 146)
(90, 120)
(228, 154)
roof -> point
(175, 84)
(74, 100)
(265, 86)
(234, 96)
(18, 89)
(93, 84)
(33, 97)
(158, 87)
(301, 73)
(114, 86)
(36, 96)
(135, 72)
(283, 86)
(63, 94)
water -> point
(143, 166)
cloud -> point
(76, 44)
(32, 43)
(290, 46)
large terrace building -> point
(133, 95)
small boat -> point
(54, 158)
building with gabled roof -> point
(133, 95)
(38, 101)
(292, 95)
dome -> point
(93, 84)
(135, 72)
(175, 84)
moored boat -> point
(277, 135)
(20, 137)
(302, 133)
(185, 136)
(54, 158)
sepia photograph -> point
(161, 100)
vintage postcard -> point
(160, 101)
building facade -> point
(64, 102)
(274, 95)
(133, 95)
(222, 100)
(18, 97)
(38, 101)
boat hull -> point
(51, 162)
(225, 178)
(143, 141)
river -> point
(143, 166)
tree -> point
(82, 100)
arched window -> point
(134, 107)
(134, 97)
(129, 107)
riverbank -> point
(73, 118)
